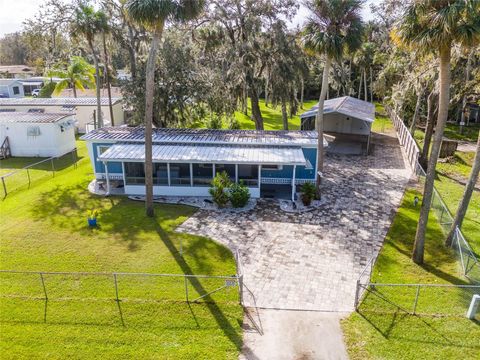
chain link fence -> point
(26, 176)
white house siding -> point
(51, 141)
(179, 190)
(343, 124)
(8, 89)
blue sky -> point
(14, 12)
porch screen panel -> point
(228, 168)
(134, 173)
(160, 174)
(248, 174)
(202, 174)
(179, 174)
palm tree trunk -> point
(74, 91)
(419, 245)
(417, 111)
(467, 79)
(432, 111)
(107, 74)
(371, 85)
(467, 195)
(360, 86)
(350, 90)
(319, 122)
(284, 115)
(365, 83)
(97, 85)
(149, 94)
(302, 91)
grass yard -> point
(382, 122)
(380, 330)
(470, 133)
(44, 228)
(272, 117)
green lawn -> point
(382, 122)
(470, 133)
(272, 116)
(381, 330)
(44, 228)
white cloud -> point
(14, 12)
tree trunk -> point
(256, 113)
(319, 122)
(365, 83)
(350, 90)
(444, 96)
(432, 112)
(360, 86)
(132, 54)
(302, 91)
(417, 111)
(371, 85)
(266, 91)
(97, 85)
(107, 73)
(284, 115)
(464, 100)
(467, 196)
(149, 94)
(74, 90)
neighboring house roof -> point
(8, 82)
(207, 153)
(82, 101)
(16, 69)
(346, 105)
(26, 117)
(207, 136)
(115, 91)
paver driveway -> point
(311, 261)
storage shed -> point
(37, 134)
(11, 88)
(83, 109)
(186, 160)
(347, 116)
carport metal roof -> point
(346, 105)
(221, 154)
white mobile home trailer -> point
(11, 88)
(37, 134)
(83, 109)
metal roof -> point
(31, 117)
(81, 101)
(220, 154)
(346, 105)
(206, 136)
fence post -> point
(4, 186)
(28, 174)
(357, 294)
(240, 288)
(53, 167)
(116, 286)
(43, 285)
(416, 299)
(186, 288)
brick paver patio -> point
(311, 261)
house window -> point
(160, 174)
(202, 174)
(228, 168)
(248, 174)
(16, 90)
(179, 174)
(134, 173)
(272, 167)
(309, 165)
(101, 149)
(36, 110)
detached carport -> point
(346, 118)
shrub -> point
(215, 121)
(234, 124)
(220, 183)
(47, 90)
(239, 195)
(309, 192)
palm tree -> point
(78, 75)
(436, 25)
(467, 195)
(88, 23)
(153, 14)
(333, 28)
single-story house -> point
(84, 109)
(16, 71)
(11, 88)
(38, 134)
(270, 163)
(345, 116)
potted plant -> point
(92, 217)
(308, 193)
